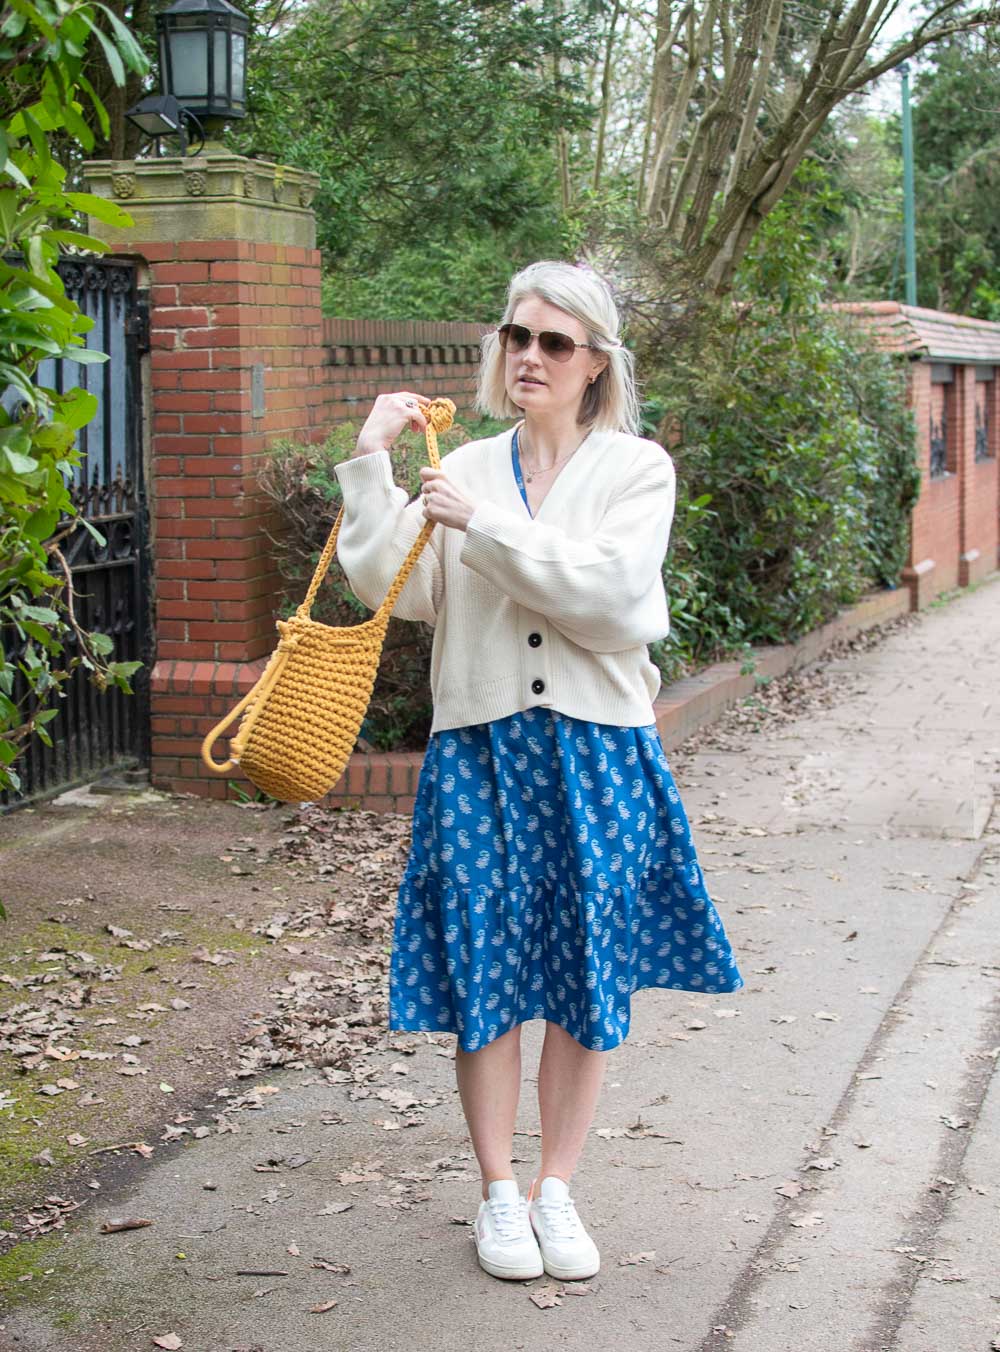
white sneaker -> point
(567, 1250)
(504, 1238)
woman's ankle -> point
(493, 1178)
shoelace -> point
(561, 1220)
(508, 1218)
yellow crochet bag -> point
(301, 719)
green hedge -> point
(795, 455)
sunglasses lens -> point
(556, 345)
(514, 337)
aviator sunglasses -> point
(558, 346)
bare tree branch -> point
(699, 42)
(772, 26)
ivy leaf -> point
(16, 462)
(102, 644)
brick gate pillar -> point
(236, 359)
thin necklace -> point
(531, 474)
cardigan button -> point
(534, 640)
(538, 686)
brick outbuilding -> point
(955, 396)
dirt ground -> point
(159, 952)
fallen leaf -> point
(825, 1014)
(167, 1340)
(322, 1309)
(956, 1123)
(545, 1297)
(646, 1256)
(807, 1219)
(112, 1227)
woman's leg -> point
(569, 1085)
(489, 1084)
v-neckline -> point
(585, 444)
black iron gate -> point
(98, 731)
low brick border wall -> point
(387, 781)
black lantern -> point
(203, 46)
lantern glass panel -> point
(239, 69)
(220, 90)
(189, 65)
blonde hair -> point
(611, 402)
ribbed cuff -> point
(484, 530)
(371, 473)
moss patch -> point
(38, 1122)
(30, 1271)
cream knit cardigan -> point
(551, 611)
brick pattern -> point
(366, 358)
(954, 533)
(218, 309)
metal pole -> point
(909, 227)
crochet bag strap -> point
(439, 414)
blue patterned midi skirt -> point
(551, 875)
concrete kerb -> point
(684, 707)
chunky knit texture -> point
(552, 611)
(301, 719)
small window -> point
(985, 431)
(942, 428)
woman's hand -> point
(390, 414)
(442, 500)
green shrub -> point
(795, 457)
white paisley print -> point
(552, 874)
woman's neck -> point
(544, 441)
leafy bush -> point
(795, 456)
(43, 62)
(302, 483)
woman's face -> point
(539, 384)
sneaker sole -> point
(571, 1274)
(524, 1273)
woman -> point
(552, 872)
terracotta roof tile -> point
(933, 334)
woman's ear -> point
(599, 364)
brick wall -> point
(954, 538)
(979, 505)
(367, 357)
